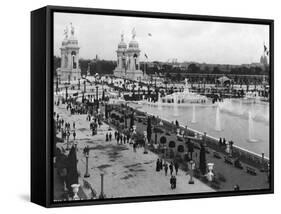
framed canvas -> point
(134, 106)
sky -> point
(185, 40)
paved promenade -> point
(126, 173)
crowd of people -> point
(173, 166)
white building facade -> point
(128, 60)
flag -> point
(145, 56)
(265, 48)
(88, 80)
(149, 34)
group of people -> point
(64, 127)
(121, 138)
(173, 165)
(95, 122)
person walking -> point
(124, 139)
(158, 165)
(110, 136)
(172, 182)
(74, 135)
(121, 138)
(176, 167)
(171, 169)
(106, 137)
(175, 182)
(73, 125)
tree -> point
(202, 163)
(193, 68)
(103, 95)
(190, 148)
(72, 174)
(132, 120)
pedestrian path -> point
(126, 173)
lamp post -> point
(84, 86)
(262, 162)
(165, 154)
(67, 140)
(66, 94)
(101, 189)
(192, 167)
(145, 139)
(78, 83)
(57, 84)
(268, 172)
(97, 92)
(86, 175)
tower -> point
(69, 69)
(133, 53)
(128, 59)
(121, 56)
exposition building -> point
(128, 60)
(69, 69)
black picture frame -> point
(42, 103)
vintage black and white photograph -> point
(154, 107)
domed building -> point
(128, 63)
(69, 69)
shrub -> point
(221, 177)
(163, 139)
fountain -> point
(185, 98)
(159, 102)
(251, 128)
(193, 114)
(176, 112)
(218, 120)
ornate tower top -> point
(65, 33)
(72, 29)
(134, 33)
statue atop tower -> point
(134, 33)
(72, 29)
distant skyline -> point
(164, 39)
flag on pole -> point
(265, 48)
(149, 34)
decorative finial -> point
(65, 32)
(134, 33)
(122, 36)
(72, 29)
